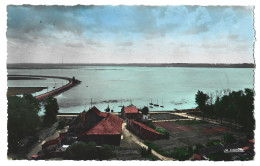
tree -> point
(51, 110)
(201, 100)
(23, 119)
(145, 110)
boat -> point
(121, 104)
(156, 105)
(131, 104)
(162, 105)
(150, 106)
(151, 102)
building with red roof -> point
(130, 112)
(86, 120)
(143, 131)
(97, 126)
(107, 131)
(91, 125)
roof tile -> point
(131, 110)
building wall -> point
(141, 132)
(131, 115)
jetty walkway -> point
(72, 82)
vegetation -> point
(105, 152)
(176, 153)
(213, 142)
(152, 146)
(62, 124)
(23, 119)
(182, 154)
(89, 151)
(229, 138)
(220, 156)
(146, 153)
(197, 148)
(235, 106)
(162, 131)
(145, 110)
(201, 99)
(51, 110)
(189, 122)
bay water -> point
(113, 86)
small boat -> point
(150, 106)
(121, 104)
(162, 105)
(151, 102)
(131, 104)
(156, 105)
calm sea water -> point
(172, 87)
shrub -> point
(162, 131)
(61, 125)
(89, 151)
(220, 156)
(76, 151)
(213, 142)
(146, 153)
(106, 152)
(158, 149)
(197, 148)
(229, 138)
(181, 154)
(152, 145)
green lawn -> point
(189, 122)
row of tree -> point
(234, 106)
(23, 118)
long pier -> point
(54, 92)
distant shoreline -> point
(11, 91)
(59, 66)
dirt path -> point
(139, 142)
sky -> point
(130, 34)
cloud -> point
(98, 31)
(127, 43)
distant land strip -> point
(11, 91)
(67, 65)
